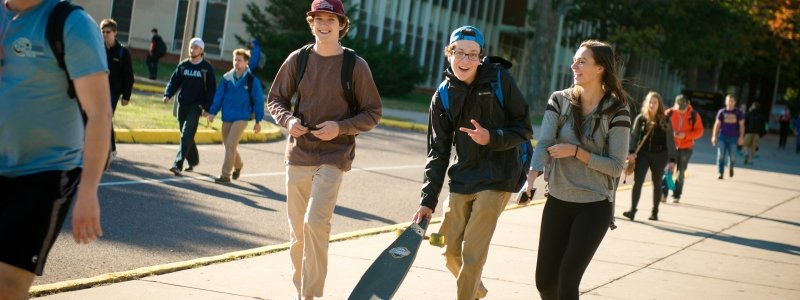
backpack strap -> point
(249, 87)
(348, 65)
(54, 31)
(121, 52)
(300, 70)
(444, 98)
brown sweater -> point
(323, 100)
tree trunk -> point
(717, 71)
(540, 59)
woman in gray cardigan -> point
(585, 133)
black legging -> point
(570, 235)
(655, 162)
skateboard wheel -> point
(398, 232)
(437, 240)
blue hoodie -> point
(234, 98)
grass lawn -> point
(148, 112)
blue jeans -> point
(188, 118)
(726, 145)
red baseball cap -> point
(330, 6)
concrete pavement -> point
(737, 238)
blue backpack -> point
(525, 148)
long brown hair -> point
(653, 117)
(603, 55)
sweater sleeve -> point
(279, 98)
(618, 143)
(127, 74)
(547, 133)
(174, 83)
(368, 99)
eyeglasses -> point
(106, 31)
(459, 55)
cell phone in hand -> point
(523, 197)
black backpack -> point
(161, 47)
(54, 32)
(347, 76)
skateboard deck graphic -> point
(385, 275)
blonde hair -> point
(110, 23)
(242, 52)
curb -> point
(116, 277)
(173, 136)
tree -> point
(541, 62)
(281, 28)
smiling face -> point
(584, 68)
(464, 60)
(326, 26)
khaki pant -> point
(750, 146)
(231, 134)
(468, 226)
(311, 193)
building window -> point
(214, 29)
(121, 11)
(177, 45)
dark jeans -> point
(656, 162)
(114, 101)
(680, 167)
(569, 237)
(188, 118)
(152, 66)
(784, 133)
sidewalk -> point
(737, 238)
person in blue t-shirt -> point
(46, 149)
(195, 78)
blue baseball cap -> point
(468, 33)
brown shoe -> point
(222, 179)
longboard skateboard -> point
(385, 275)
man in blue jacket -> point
(195, 78)
(240, 97)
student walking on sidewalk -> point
(240, 98)
(120, 71)
(485, 135)
(195, 78)
(322, 132)
(686, 127)
(728, 133)
(587, 159)
(653, 132)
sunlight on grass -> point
(148, 112)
